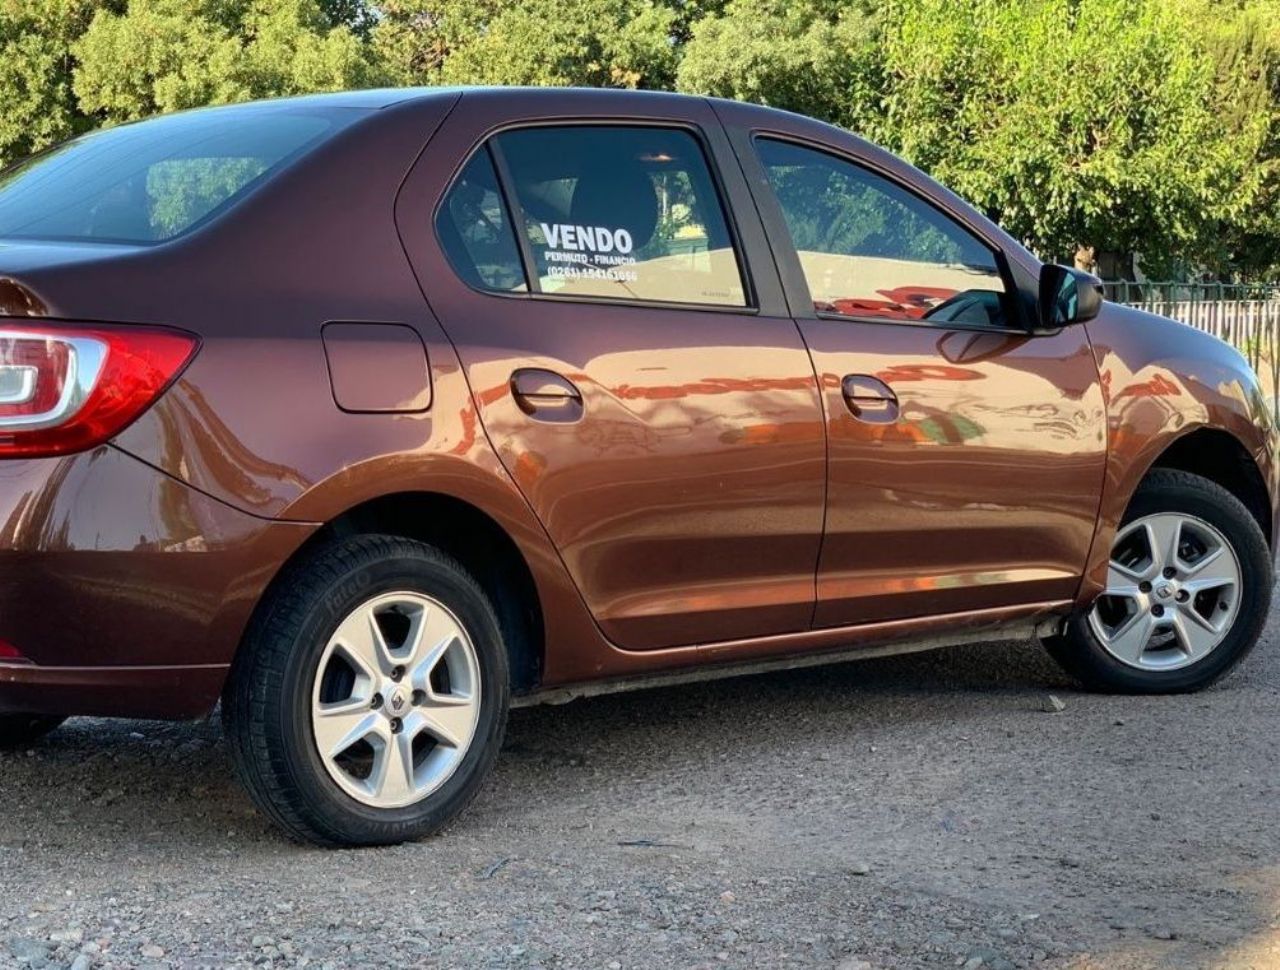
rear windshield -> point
(153, 180)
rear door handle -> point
(545, 395)
(869, 399)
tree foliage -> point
(37, 104)
(802, 55)
(164, 55)
(1092, 129)
(599, 43)
(1088, 129)
(1246, 53)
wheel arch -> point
(1222, 458)
(471, 536)
(1210, 451)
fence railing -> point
(1247, 316)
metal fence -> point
(1245, 315)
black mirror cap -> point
(1067, 295)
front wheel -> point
(1188, 589)
(369, 699)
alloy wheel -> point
(1173, 591)
(396, 700)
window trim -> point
(776, 226)
(533, 290)
(514, 213)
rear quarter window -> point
(475, 230)
(151, 181)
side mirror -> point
(1067, 296)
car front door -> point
(630, 355)
(966, 453)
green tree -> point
(37, 104)
(1093, 129)
(599, 43)
(810, 56)
(1245, 47)
(357, 15)
(1086, 128)
(164, 55)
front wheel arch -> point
(1080, 652)
(1221, 458)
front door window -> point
(871, 249)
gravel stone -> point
(31, 953)
(714, 825)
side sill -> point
(1040, 620)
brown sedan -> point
(374, 414)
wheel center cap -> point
(397, 702)
(1164, 591)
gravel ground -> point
(931, 810)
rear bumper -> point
(125, 591)
(171, 693)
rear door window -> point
(628, 213)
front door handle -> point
(869, 399)
(545, 395)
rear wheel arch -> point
(471, 537)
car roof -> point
(376, 98)
(370, 98)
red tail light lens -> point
(68, 389)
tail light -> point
(68, 389)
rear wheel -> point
(369, 700)
(19, 730)
(1188, 589)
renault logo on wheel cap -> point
(397, 702)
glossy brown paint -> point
(983, 492)
(677, 522)
(922, 513)
(1164, 381)
(686, 499)
(377, 367)
(117, 579)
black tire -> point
(1080, 653)
(267, 701)
(20, 730)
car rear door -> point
(966, 454)
(630, 354)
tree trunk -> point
(1108, 264)
(1115, 265)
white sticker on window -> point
(588, 252)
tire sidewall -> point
(1226, 514)
(332, 809)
